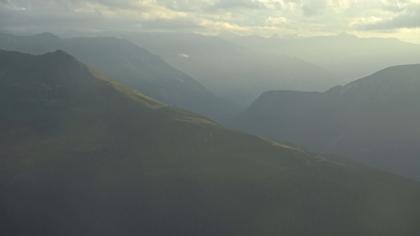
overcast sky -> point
(378, 18)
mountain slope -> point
(129, 64)
(374, 119)
(235, 72)
(82, 155)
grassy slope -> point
(130, 64)
(82, 155)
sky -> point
(298, 18)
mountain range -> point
(129, 64)
(235, 72)
(373, 120)
(81, 154)
(345, 56)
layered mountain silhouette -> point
(374, 119)
(129, 64)
(239, 73)
(84, 155)
(344, 55)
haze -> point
(213, 117)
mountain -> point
(83, 155)
(344, 55)
(238, 73)
(374, 119)
(129, 64)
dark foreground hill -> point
(374, 119)
(130, 64)
(82, 155)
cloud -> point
(179, 24)
(186, 5)
(408, 18)
(90, 15)
(238, 4)
(261, 17)
(276, 21)
(221, 26)
(313, 7)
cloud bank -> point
(259, 17)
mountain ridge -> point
(80, 156)
(359, 120)
(236, 72)
(346, 56)
(128, 64)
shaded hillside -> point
(374, 119)
(82, 155)
(130, 64)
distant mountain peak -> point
(62, 54)
(47, 35)
(395, 74)
(373, 119)
(129, 64)
(58, 75)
